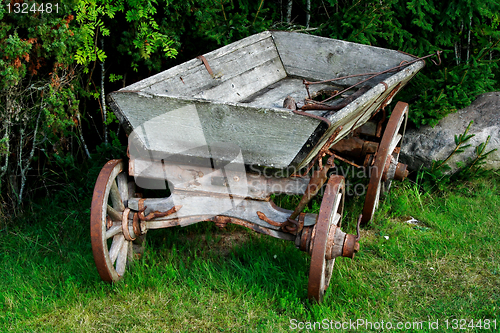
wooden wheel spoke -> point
(115, 196)
(118, 241)
(336, 219)
(122, 183)
(113, 213)
(121, 261)
(338, 200)
(395, 143)
(328, 272)
(113, 231)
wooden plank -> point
(165, 125)
(274, 94)
(200, 179)
(321, 58)
(189, 65)
(237, 87)
(259, 60)
(210, 205)
(239, 70)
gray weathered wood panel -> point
(274, 94)
(239, 70)
(200, 179)
(166, 125)
(320, 58)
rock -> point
(422, 146)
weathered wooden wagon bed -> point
(211, 125)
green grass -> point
(203, 279)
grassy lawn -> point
(445, 267)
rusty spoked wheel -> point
(114, 243)
(330, 217)
(386, 167)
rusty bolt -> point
(401, 172)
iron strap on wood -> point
(207, 66)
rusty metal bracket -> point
(155, 214)
(389, 96)
(317, 181)
(125, 230)
(138, 228)
(221, 221)
(306, 84)
(378, 133)
(207, 66)
(347, 161)
(290, 225)
(266, 219)
(302, 113)
(301, 219)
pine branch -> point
(459, 140)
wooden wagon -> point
(228, 129)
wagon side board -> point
(164, 125)
(319, 58)
(238, 70)
(361, 110)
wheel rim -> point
(386, 159)
(330, 216)
(112, 251)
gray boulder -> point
(422, 146)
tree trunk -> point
(289, 11)
(80, 132)
(308, 12)
(26, 167)
(468, 38)
(103, 98)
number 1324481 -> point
(32, 8)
